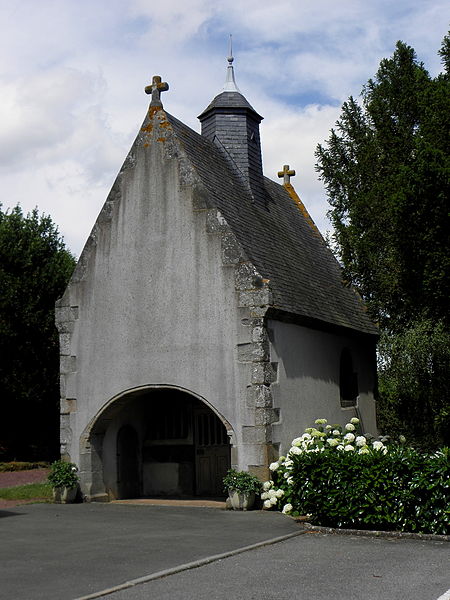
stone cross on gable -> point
(286, 174)
(155, 89)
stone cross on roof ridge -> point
(286, 174)
(155, 89)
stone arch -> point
(132, 407)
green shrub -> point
(241, 481)
(366, 486)
(6, 467)
(63, 474)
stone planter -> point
(241, 500)
(65, 495)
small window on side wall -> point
(348, 380)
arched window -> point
(348, 380)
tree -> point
(414, 382)
(386, 169)
(35, 267)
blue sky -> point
(72, 74)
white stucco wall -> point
(155, 303)
(307, 386)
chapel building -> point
(206, 323)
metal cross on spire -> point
(155, 89)
(286, 174)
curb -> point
(191, 565)
(376, 534)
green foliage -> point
(34, 270)
(7, 467)
(241, 481)
(32, 491)
(386, 169)
(361, 482)
(414, 384)
(401, 490)
(63, 474)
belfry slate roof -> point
(279, 239)
(229, 100)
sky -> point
(73, 72)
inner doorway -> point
(178, 447)
(128, 463)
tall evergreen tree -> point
(34, 269)
(386, 168)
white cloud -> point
(291, 138)
(72, 76)
(41, 113)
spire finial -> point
(230, 53)
(155, 89)
(230, 83)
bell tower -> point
(233, 125)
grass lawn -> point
(31, 491)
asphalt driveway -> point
(313, 566)
(55, 552)
(68, 552)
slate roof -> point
(229, 100)
(278, 239)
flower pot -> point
(65, 495)
(241, 500)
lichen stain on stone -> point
(155, 124)
(152, 110)
(302, 208)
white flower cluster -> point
(333, 437)
(321, 438)
(270, 495)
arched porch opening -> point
(153, 442)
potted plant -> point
(64, 479)
(242, 487)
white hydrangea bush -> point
(271, 495)
(322, 438)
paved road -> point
(313, 566)
(67, 552)
(56, 552)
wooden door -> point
(212, 453)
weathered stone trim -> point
(254, 297)
(65, 435)
(253, 352)
(65, 317)
(232, 253)
(264, 372)
(68, 405)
